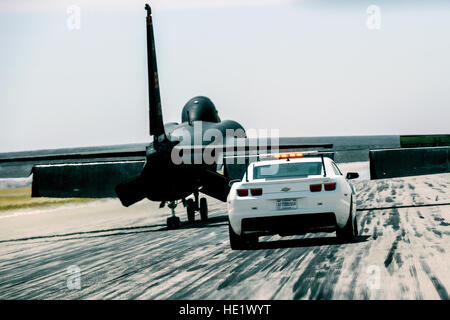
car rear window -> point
(287, 170)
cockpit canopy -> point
(199, 109)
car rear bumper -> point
(289, 224)
(317, 219)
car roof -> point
(294, 160)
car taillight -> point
(256, 192)
(330, 186)
(242, 192)
(315, 187)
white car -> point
(292, 195)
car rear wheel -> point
(252, 241)
(238, 242)
(348, 232)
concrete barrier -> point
(421, 141)
(93, 180)
(391, 163)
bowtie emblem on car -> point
(285, 189)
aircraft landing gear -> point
(173, 222)
(203, 209)
(190, 208)
(193, 206)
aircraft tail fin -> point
(155, 111)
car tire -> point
(203, 209)
(252, 242)
(236, 241)
(347, 233)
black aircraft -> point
(182, 160)
(160, 167)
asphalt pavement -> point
(101, 250)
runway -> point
(127, 253)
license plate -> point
(284, 204)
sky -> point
(307, 68)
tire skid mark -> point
(191, 263)
(440, 289)
(311, 280)
(413, 272)
(352, 286)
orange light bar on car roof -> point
(288, 155)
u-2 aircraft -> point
(159, 166)
(133, 174)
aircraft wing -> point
(94, 172)
(215, 185)
(20, 164)
(91, 172)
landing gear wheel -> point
(203, 209)
(348, 233)
(190, 208)
(173, 222)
